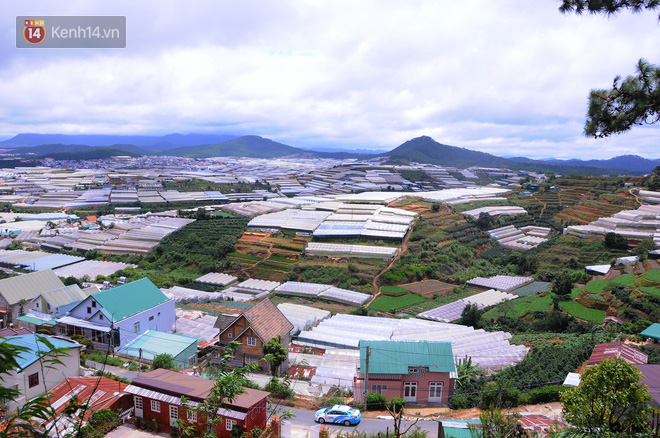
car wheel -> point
(321, 420)
(347, 423)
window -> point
(155, 406)
(378, 389)
(174, 413)
(252, 341)
(94, 304)
(230, 424)
(89, 310)
(136, 327)
(192, 416)
(101, 317)
(151, 318)
(138, 402)
(413, 370)
(33, 380)
(410, 390)
(250, 359)
(435, 391)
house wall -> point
(395, 388)
(160, 318)
(70, 367)
(256, 417)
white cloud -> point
(505, 77)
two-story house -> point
(258, 325)
(17, 292)
(119, 315)
(420, 372)
(157, 395)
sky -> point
(507, 77)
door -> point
(410, 391)
(435, 392)
(138, 406)
(174, 414)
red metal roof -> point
(538, 423)
(103, 393)
(629, 353)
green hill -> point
(247, 146)
(426, 150)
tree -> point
(610, 398)
(562, 285)
(484, 221)
(395, 408)
(633, 101)
(615, 241)
(164, 360)
(494, 424)
(471, 316)
(643, 247)
(275, 354)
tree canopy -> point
(610, 397)
(275, 353)
(632, 101)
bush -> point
(376, 402)
(278, 389)
(546, 394)
(459, 402)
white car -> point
(338, 414)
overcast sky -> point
(508, 77)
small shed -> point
(152, 343)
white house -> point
(119, 315)
(33, 379)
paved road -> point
(304, 421)
(117, 371)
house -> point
(147, 346)
(259, 324)
(119, 315)
(157, 395)
(419, 372)
(58, 301)
(612, 349)
(16, 293)
(100, 392)
(31, 378)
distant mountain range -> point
(421, 150)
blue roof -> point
(153, 343)
(36, 348)
(51, 262)
(652, 331)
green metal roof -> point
(154, 343)
(36, 321)
(394, 357)
(460, 428)
(130, 299)
(652, 331)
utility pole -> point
(139, 361)
(366, 377)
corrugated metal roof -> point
(130, 299)
(629, 353)
(51, 262)
(27, 358)
(152, 343)
(65, 295)
(394, 357)
(28, 286)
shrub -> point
(459, 402)
(376, 402)
(278, 389)
(545, 394)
